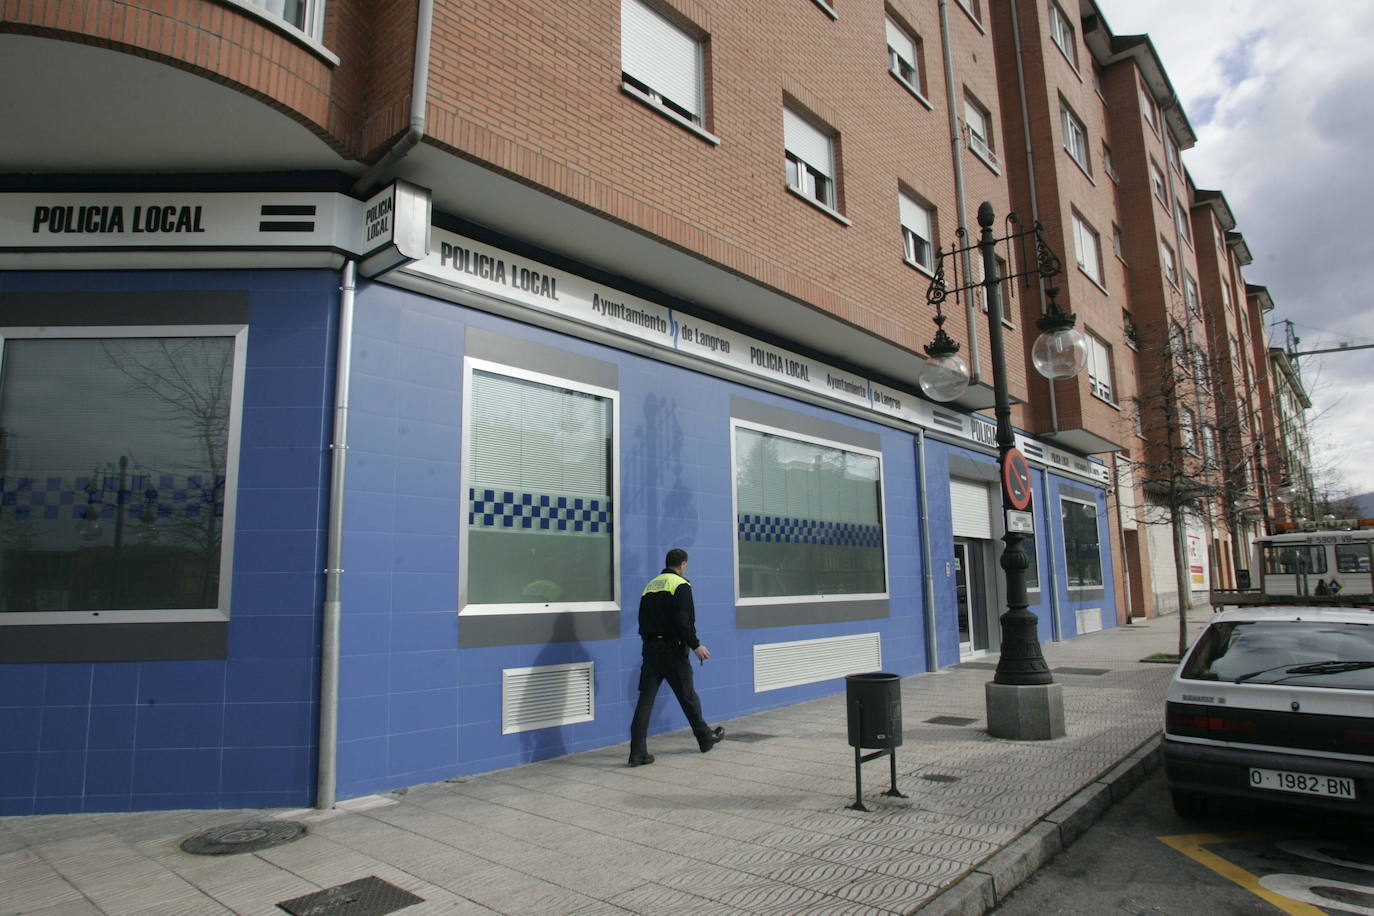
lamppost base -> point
(1025, 712)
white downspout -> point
(960, 206)
(327, 771)
(928, 580)
(419, 99)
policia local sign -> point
(70, 229)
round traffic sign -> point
(1016, 479)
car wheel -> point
(1189, 805)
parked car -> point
(1275, 704)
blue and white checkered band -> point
(143, 496)
(779, 529)
(538, 513)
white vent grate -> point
(546, 696)
(806, 661)
(1089, 620)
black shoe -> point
(707, 743)
(640, 760)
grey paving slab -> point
(759, 825)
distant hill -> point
(1366, 501)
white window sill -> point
(827, 8)
(913, 90)
(833, 214)
(1073, 65)
(986, 161)
(1108, 401)
(290, 31)
(668, 113)
(929, 272)
(1081, 167)
(971, 18)
(1093, 280)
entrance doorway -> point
(971, 597)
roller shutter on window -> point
(916, 217)
(807, 143)
(901, 42)
(970, 508)
(660, 55)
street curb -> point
(997, 876)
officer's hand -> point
(702, 652)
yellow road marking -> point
(1191, 845)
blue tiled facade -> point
(413, 705)
(237, 732)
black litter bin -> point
(874, 701)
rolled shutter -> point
(970, 509)
(660, 55)
(916, 217)
(807, 143)
(901, 42)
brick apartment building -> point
(361, 361)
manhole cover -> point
(370, 896)
(980, 666)
(245, 836)
(950, 720)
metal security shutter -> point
(660, 55)
(806, 661)
(971, 509)
(549, 695)
(807, 143)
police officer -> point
(668, 626)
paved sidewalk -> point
(759, 825)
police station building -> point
(406, 478)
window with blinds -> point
(1100, 377)
(302, 14)
(903, 56)
(809, 518)
(1082, 547)
(117, 462)
(661, 61)
(540, 504)
(810, 158)
(1087, 247)
(918, 232)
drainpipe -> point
(1056, 627)
(928, 583)
(956, 150)
(333, 574)
(1030, 174)
(419, 98)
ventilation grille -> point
(1089, 620)
(546, 696)
(806, 661)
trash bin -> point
(874, 701)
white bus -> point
(1318, 562)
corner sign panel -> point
(394, 228)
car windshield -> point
(1305, 653)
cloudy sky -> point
(1281, 96)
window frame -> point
(907, 232)
(981, 145)
(233, 445)
(1064, 532)
(1147, 104)
(468, 609)
(636, 87)
(809, 176)
(736, 424)
(1157, 182)
(1082, 227)
(1073, 127)
(1101, 351)
(915, 86)
(1168, 263)
(1063, 34)
(1181, 222)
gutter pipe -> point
(960, 203)
(928, 580)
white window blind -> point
(969, 507)
(904, 46)
(1100, 368)
(916, 221)
(1086, 247)
(660, 55)
(807, 143)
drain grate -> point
(981, 666)
(1092, 672)
(245, 836)
(370, 896)
(940, 777)
(950, 720)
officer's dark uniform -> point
(667, 624)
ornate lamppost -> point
(1022, 699)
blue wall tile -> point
(20, 727)
(68, 685)
(248, 725)
(61, 773)
(64, 729)
(192, 725)
(176, 774)
(22, 685)
(181, 682)
(112, 728)
(269, 769)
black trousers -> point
(665, 660)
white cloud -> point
(1282, 99)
